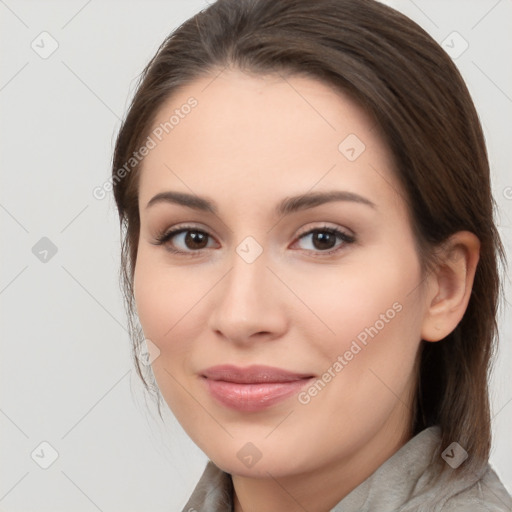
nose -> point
(248, 303)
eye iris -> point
(323, 237)
(193, 238)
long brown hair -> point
(393, 69)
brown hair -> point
(396, 71)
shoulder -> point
(436, 488)
(487, 494)
(482, 493)
(213, 492)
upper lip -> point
(252, 374)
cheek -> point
(356, 299)
(165, 302)
(163, 296)
(373, 318)
(170, 304)
(151, 298)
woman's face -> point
(265, 280)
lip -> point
(252, 388)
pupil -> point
(193, 237)
(323, 237)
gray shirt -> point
(401, 484)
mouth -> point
(252, 388)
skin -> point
(250, 142)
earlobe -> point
(450, 285)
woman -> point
(310, 248)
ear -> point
(449, 286)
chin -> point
(249, 461)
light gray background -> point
(66, 373)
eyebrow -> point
(285, 207)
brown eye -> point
(195, 240)
(190, 241)
(323, 240)
(184, 240)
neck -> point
(321, 488)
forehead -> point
(248, 132)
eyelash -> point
(165, 236)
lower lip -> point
(253, 397)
